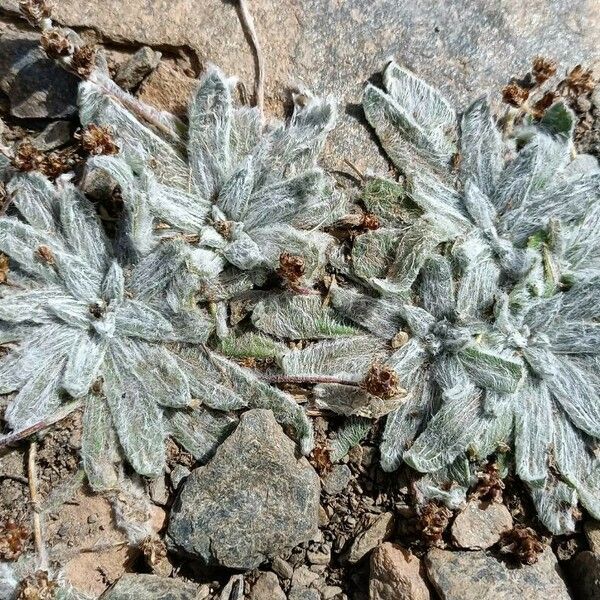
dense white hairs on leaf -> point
(481, 147)
(436, 287)
(345, 358)
(373, 251)
(298, 317)
(199, 431)
(378, 316)
(555, 503)
(349, 435)
(210, 116)
(100, 451)
(413, 122)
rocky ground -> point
(309, 529)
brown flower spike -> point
(580, 81)
(490, 486)
(29, 158)
(35, 11)
(82, 61)
(291, 267)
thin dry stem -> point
(259, 66)
(299, 379)
(38, 537)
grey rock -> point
(55, 135)
(466, 47)
(158, 491)
(36, 87)
(330, 591)
(380, 530)
(584, 575)
(267, 588)
(396, 574)
(591, 529)
(476, 575)
(479, 526)
(252, 501)
(303, 577)
(131, 72)
(337, 479)
(151, 587)
(303, 594)
(234, 590)
(282, 568)
(178, 474)
(320, 556)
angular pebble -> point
(254, 500)
(396, 574)
(380, 530)
(150, 587)
(131, 72)
(479, 526)
(337, 479)
(267, 588)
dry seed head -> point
(28, 158)
(45, 254)
(56, 44)
(434, 520)
(543, 69)
(97, 139)
(13, 540)
(3, 268)
(523, 544)
(35, 11)
(291, 267)
(580, 81)
(82, 61)
(381, 381)
(38, 586)
(370, 221)
(514, 94)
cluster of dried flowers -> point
(463, 306)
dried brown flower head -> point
(154, 550)
(543, 104)
(56, 44)
(543, 69)
(489, 486)
(320, 458)
(35, 11)
(434, 520)
(57, 163)
(38, 586)
(224, 228)
(381, 381)
(82, 61)
(291, 267)
(45, 254)
(13, 540)
(97, 139)
(4, 264)
(522, 543)
(514, 94)
(579, 81)
(370, 221)
(28, 158)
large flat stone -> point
(254, 500)
(477, 575)
(465, 47)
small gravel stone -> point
(591, 529)
(282, 568)
(330, 591)
(319, 557)
(151, 587)
(303, 594)
(131, 73)
(178, 474)
(55, 135)
(267, 588)
(337, 479)
(380, 530)
(479, 526)
(303, 577)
